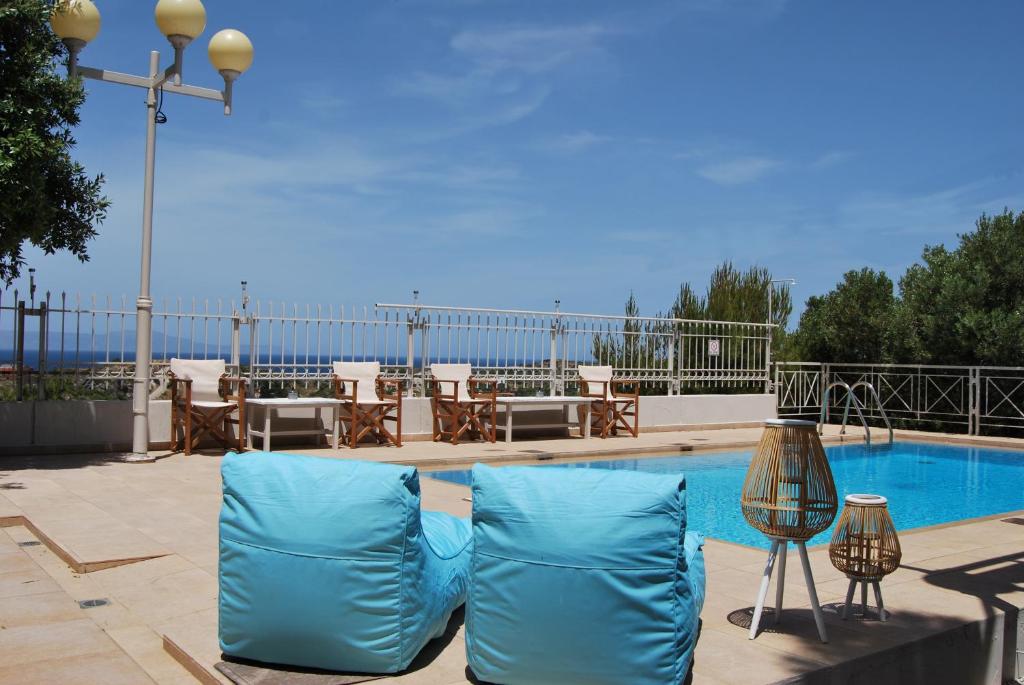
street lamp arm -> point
(114, 77)
(196, 91)
(171, 72)
(143, 82)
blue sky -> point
(508, 153)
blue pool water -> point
(926, 484)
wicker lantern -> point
(865, 547)
(789, 495)
(788, 492)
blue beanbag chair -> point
(330, 564)
(582, 576)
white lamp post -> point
(77, 22)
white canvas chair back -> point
(447, 373)
(205, 375)
(595, 375)
(364, 372)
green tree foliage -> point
(636, 346)
(852, 323)
(735, 295)
(966, 306)
(960, 307)
(46, 198)
(731, 295)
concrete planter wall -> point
(76, 426)
(50, 427)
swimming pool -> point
(926, 483)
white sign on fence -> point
(714, 347)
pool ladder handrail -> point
(851, 398)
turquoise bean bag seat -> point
(329, 563)
(582, 577)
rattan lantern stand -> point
(789, 495)
(865, 547)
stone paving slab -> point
(442, 454)
(110, 667)
(10, 515)
(147, 649)
(82, 533)
(192, 641)
(438, 495)
(123, 619)
(45, 637)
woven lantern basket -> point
(865, 546)
(789, 495)
(789, 492)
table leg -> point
(508, 423)
(266, 429)
(248, 432)
(336, 420)
(586, 417)
(318, 426)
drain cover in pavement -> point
(90, 603)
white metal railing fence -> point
(544, 348)
(89, 342)
(975, 398)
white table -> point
(272, 406)
(511, 403)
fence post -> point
(252, 321)
(778, 395)
(421, 382)
(553, 359)
(679, 358)
(236, 341)
(974, 400)
(410, 348)
(673, 379)
(19, 353)
(41, 378)
(825, 373)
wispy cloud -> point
(690, 154)
(323, 102)
(503, 74)
(932, 213)
(736, 171)
(577, 142)
(448, 88)
(505, 220)
(748, 8)
(461, 176)
(831, 159)
(334, 170)
(642, 236)
(529, 49)
(512, 111)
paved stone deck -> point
(954, 579)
